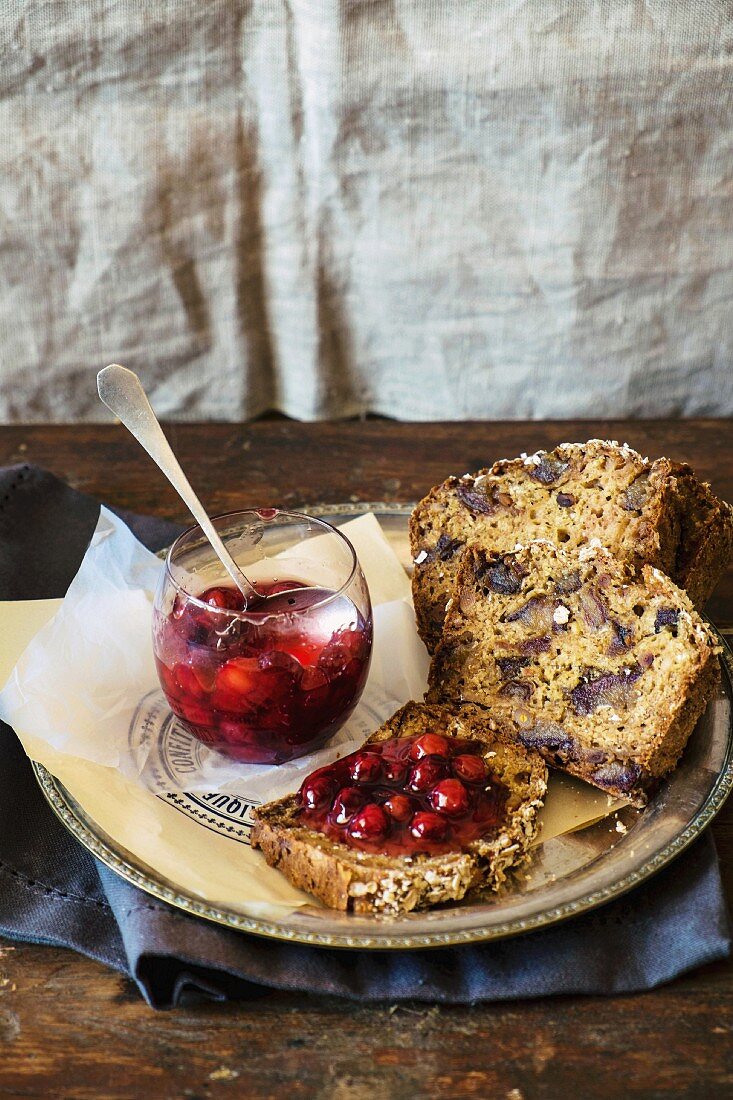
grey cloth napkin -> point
(53, 891)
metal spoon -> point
(121, 391)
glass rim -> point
(329, 529)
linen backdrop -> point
(422, 208)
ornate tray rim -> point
(72, 816)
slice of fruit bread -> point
(656, 513)
(603, 669)
(438, 801)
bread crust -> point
(705, 547)
(680, 527)
(347, 879)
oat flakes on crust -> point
(656, 513)
(348, 879)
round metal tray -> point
(567, 875)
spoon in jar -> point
(121, 391)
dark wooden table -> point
(70, 1028)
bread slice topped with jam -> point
(602, 669)
(655, 513)
(437, 802)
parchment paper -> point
(77, 670)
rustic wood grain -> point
(242, 465)
(70, 1028)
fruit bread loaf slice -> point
(436, 802)
(656, 513)
(602, 669)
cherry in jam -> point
(268, 685)
(427, 794)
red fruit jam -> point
(406, 796)
(267, 686)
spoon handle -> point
(121, 391)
